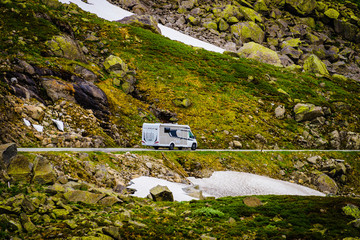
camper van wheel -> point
(156, 148)
(171, 146)
(193, 146)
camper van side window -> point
(166, 130)
(173, 133)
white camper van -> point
(168, 135)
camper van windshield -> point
(191, 135)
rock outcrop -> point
(258, 52)
(143, 21)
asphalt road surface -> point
(164, 149)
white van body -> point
(168, 135)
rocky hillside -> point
(86, 196)
(70, 79)
(294, 29)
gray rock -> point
(313, 159)
(83, 196)
(20, 169)
(252, 201)
(280, 112)
(65, 46)
(248, 31)
(307, 112)
(143, 21)
(161, 193)
(43, 171)
(325, 183)
(112, 231)
(7, 153)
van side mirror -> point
(167, 130)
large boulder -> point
(20, 169)
(83, 196)
(65, 46)
(229, 13)
(325, 183)
(114, 64)
(260, 53)
(90, 96)
(301, 7)
(161, 193)
(348, 30)
(43, 172)
(313, 64)
(332, 13)
(58, 89)
(143, 21)
(250, 14)
(7, 153)
(248, 31)
(307, 112)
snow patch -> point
(108, 11)
(38, 128)
(26, 122)
(223, 184)
(59, 124)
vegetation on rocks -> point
(232, 99)
(86, 201)
(102, 80)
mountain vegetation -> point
(289, 79)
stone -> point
(292, 52)
(250, 14)
(58, 89)
(223, 25)
(210, 25)
(114, 64)
(313, 64)
(35, 112)
(248, 31)
(144, 21)
(89, 96)
(260, 53)
(108, 201)
(86, 73)
(9, 224)
(65, 46)
(237, 144)
(339, 77)
(301, 7)
(83, 196)
(161, 193)
(7, 153)
(260, 6)
(71, 223)
(313, 159)
(20, 169)
(348, 30)
(252, 201)
(113, 232)
(61, 213)
(182, 102)
(26, 223)
(280, 112)
(307, 112)
(293, 42)
(332, 13)
(43, 172)
(325, 183)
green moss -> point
(352, 210)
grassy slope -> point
(296, 217)
(217, 85)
